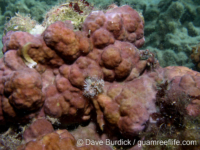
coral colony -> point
(59, 86)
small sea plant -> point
(75, 11)
(93, 86)
(20, 22)
(152, 62)
(11, 138)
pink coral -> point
(121, 90)
(64, 61)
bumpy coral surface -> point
(188, 82)
(46, 75)
(38, 128)
(60, 139)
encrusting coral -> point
(93, 75)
